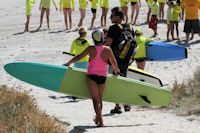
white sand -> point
(47, 47)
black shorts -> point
(97, 79)
(133, 3)
(93, 10)
(140, 59)
(192, 26)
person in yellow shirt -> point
(162, 6)
(45, 7)
(149, 3)
(170, 20)
(67, 6)
(140, 56)
(191, 8)
(176, 17)
(29, 4)
(78, 46)
(124, 6)
(94, 11)
(135, 5)
(82, 8)
(104, 6)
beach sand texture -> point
(47, 46)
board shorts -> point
(97, 79)
(153, 22)
(83, 65)
(93, 10)
(192, 26)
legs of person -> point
(47, 16)
(94, 92)
(70, 17)
(105, 16)
(177, 30)
(65, 18)
(132, 13)
(168, 30)
(141, 65)
(172, 29)
(148, 14)
(137, 9)
(41, 17)
(161, 13)
(93, 19)
(82, 13)
(27, 23)
(125, 11)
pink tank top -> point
(97, 65)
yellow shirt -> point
(155, 8)
(169, 14)
(176, 13)
(104, 3)
(78, 46)
(123, 3)
(94, 4)
(29, 6)
(191, 8)
(66, 4)
(134, 0)
(140, 42)
(161, 1)
(45, 4)
(149, 2)
(83, 4)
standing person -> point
(135, 5)
(29, 4)
(149, 3)
(161, 10)
(113, 40)
(78, 46)
(94, 12)
(104, 6)
(170, 22)
(124, 6)
(97, 71)
(67, 6)
(191, 26)
(153, 24)
(140, 56)
(176, 17)
(82, 8)
(45, 7)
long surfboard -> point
(160, 51)
(72, 81)
(138, 74)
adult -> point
(191, 26)
(113, 36)
(135, 5)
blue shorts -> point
(83, 65)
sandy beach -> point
(46, 46)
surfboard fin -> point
(145, 98)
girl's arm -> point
(79, 56)
(54, 4)
(113, 62)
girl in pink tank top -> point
(97, 71)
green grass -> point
(20, 114)
(186, 96)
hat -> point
(98, 36)
(138, 31)
(82, 29)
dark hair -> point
(178, 1)
(117, 11)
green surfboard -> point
(72, 81)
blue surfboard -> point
(160, 51)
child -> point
(94, 11)
(123, 5)
(104, 6)
(78, 46)
(82, 8)
(176, 16)
(45, 7)
(135, 4)
(149, 3)
(140, 56)
(67, 6)
(170, 23)
(97, 71)
(161, 5)
(154, 17)
(28, 13)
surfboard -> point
(72, 81)
(138, 74)
(160, 51)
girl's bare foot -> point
(96, 121)
(101, 125)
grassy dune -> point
(20, 114)
(186, 99)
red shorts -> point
(67, 9)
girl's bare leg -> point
(66, 21)
(125, 10)
(93, 18)
(47, 16)
(137, 9)
(27, 24)
(141, 65)
(82, 13)
(41, 17)
(70, 18)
